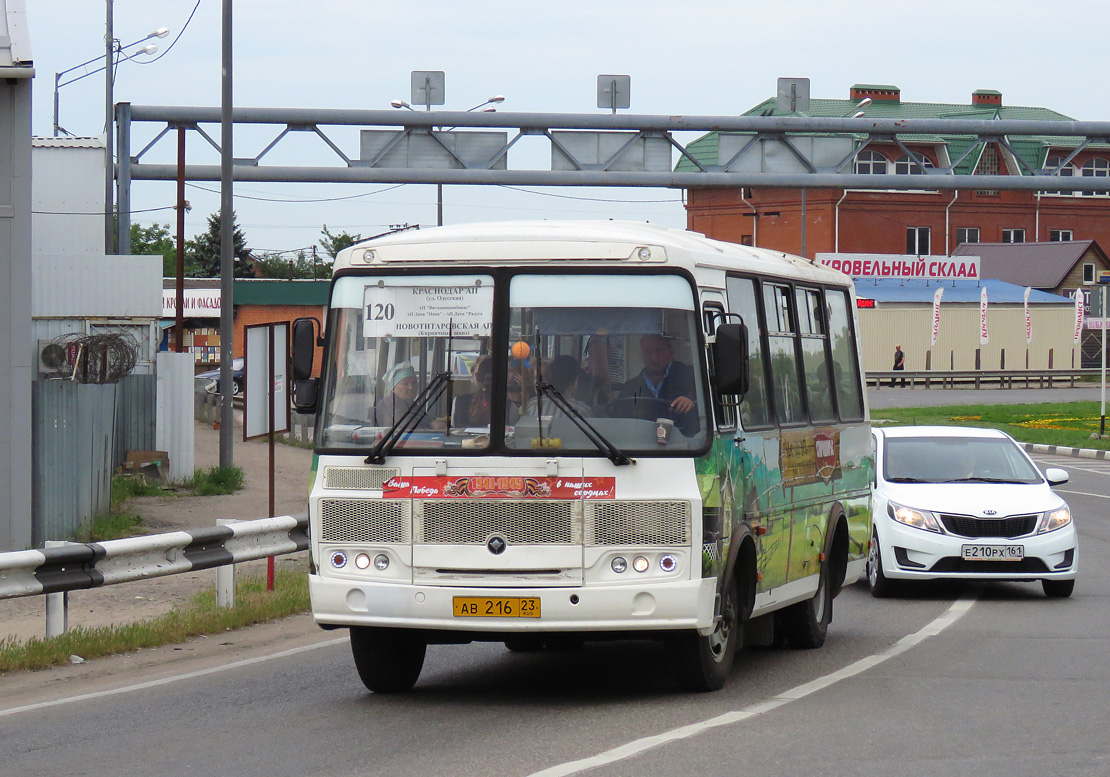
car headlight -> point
(918, 519)
(1055, 519)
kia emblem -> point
(990, 512)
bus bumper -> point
(679, 605)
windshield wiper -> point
(409, 418)
(984, 480)
(613, 453)
(906, 480)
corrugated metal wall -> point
(910, 325)
(81, 433)
(176, 432)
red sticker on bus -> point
(499, 487)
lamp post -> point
(150, 48)
(426, 87)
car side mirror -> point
(1056, 476)
(730, 359)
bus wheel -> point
(705, 662)
(387, 660)
(805, 624)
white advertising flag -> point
(1077, 334)
(936, 315)
(1028, 318)
(984, 338)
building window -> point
(1054, 163)
(1096, 168)
(967, 235)
(904, 165)
(871, 163)
(745, 240)
(988, 165)
(917, 240)
(1088, 273)
(1013, 236)
(1059, 235)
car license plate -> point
(993, 552)
(496, 606)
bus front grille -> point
(358, 477)
(521, 522)
(365, 520)
(637, 523)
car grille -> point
(957, 565)
(966, 526)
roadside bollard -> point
(225, 576)
(57, 604)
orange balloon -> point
(520, 350)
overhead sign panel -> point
(611, 151)
(771, 154)
(434, 149)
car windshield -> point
(572, 366)
(956, 460)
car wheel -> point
(387, 660)
(525, 644)
(805, 624)
(236, 388)
(878, 583)
(1058, 589)
(705, 662)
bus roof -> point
(544, 242)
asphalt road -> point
(949, 680)
(907, 397)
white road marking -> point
(168, 680)
(638, 746)
(1081, 493)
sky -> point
(705, 57)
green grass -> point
(200, 616)
(216, 480)
(1069, 424)
(110, 526)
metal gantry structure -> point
(459, 147)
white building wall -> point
(68, 197)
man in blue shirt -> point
(670, 383)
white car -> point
(968, 504)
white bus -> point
(539, 432)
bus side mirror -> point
(305, 387)
(730, 359)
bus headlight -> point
(381, 562)
(640, 564)
(668, 562)
(619, 565)
(339, 559)
(362, 561)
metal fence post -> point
(57, 604)
(225, 576)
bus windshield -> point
(578, 357)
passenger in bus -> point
(596, 386)
(401, 382)
(472, 410)
(563, 373)
(664, 388)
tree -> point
(156, 239)
(333, 244)
(205, 250)
(280, 265)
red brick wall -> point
(249, 315)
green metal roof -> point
(281, 292)
(1031, 149)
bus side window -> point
(849, 394)
(713, 315)
(755, 409)
(783, 351)
(815, 365)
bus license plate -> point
(496, 606)
(993, 552)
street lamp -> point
(430, 84)
(150, 48)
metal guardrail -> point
(978, 378)
(79, 566)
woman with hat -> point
(401, 381)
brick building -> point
(912, 222)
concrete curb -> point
(1059, 450)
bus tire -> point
(704, 663)
(805, 624)
(387, 660)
